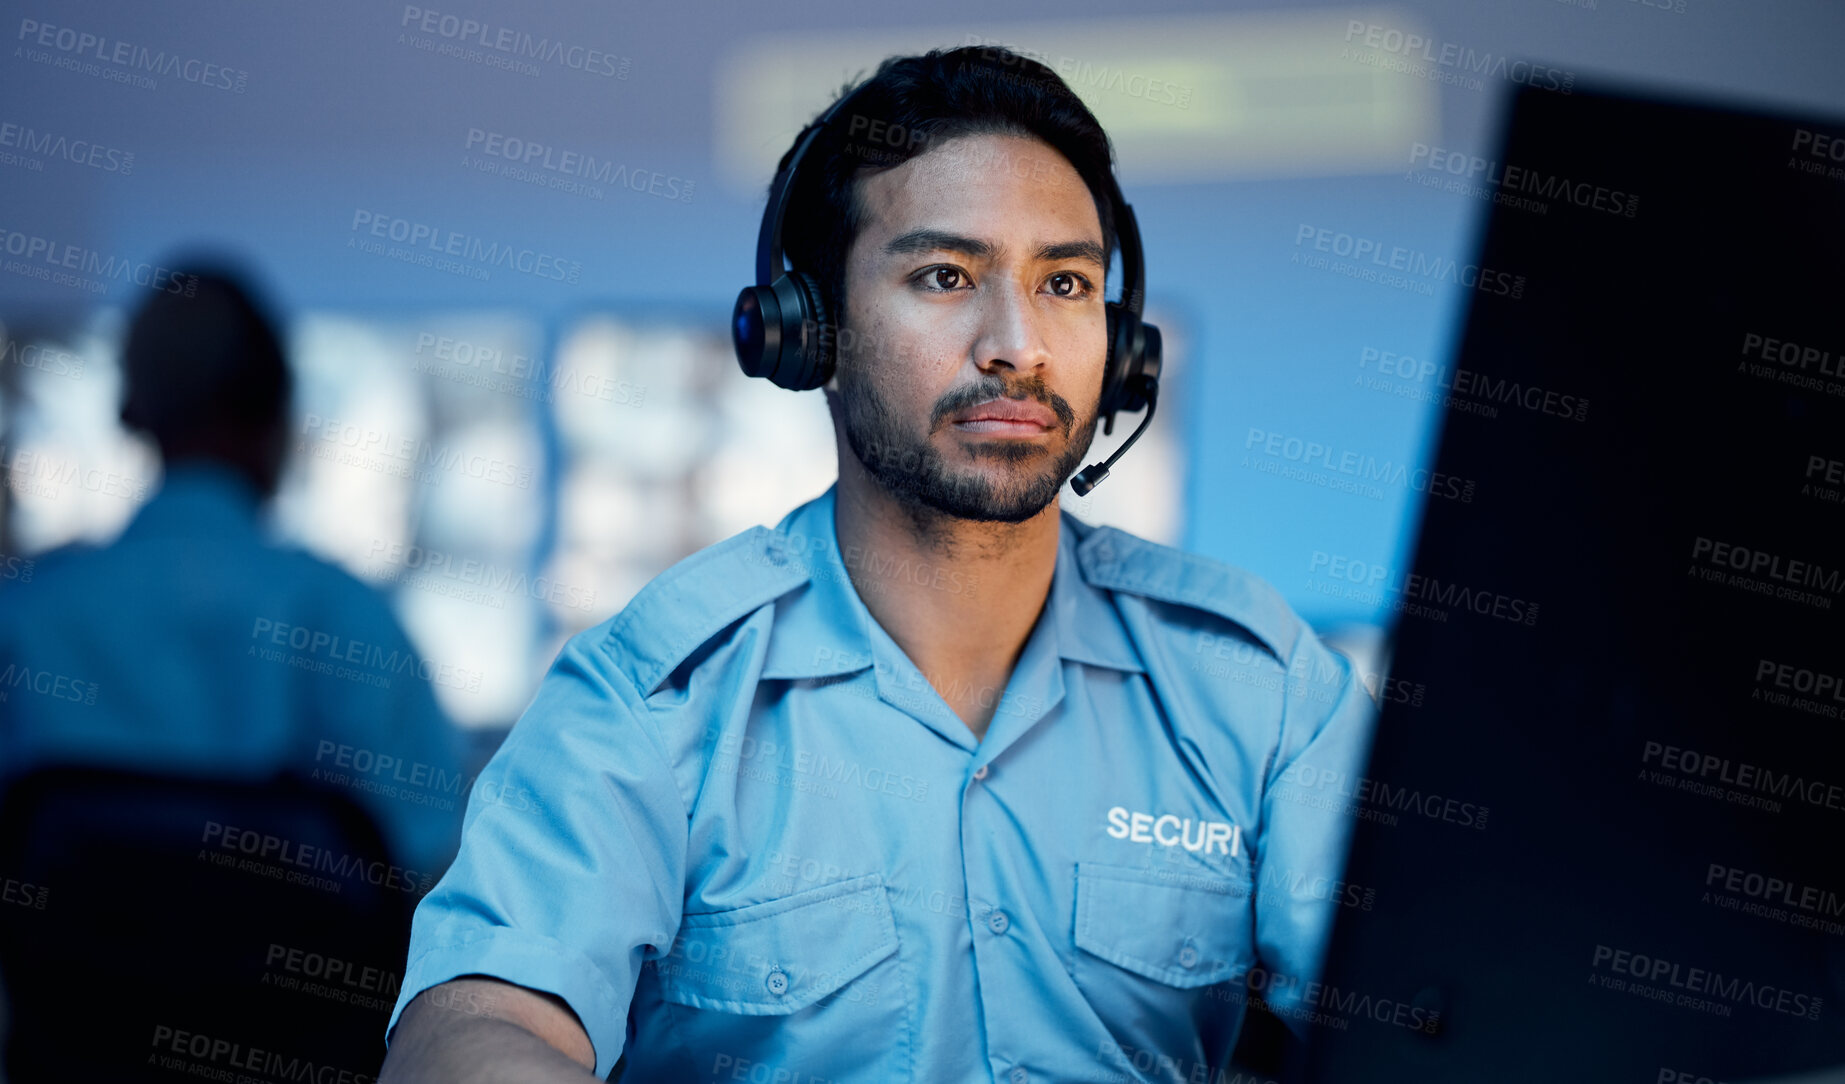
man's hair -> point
(909, 105)
(205, 361)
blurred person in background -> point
(194, 645)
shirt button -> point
(980, 772)
(998, 922)
(777, 982)
(1188, 956)
(1018, 1075)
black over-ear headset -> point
(785, 333)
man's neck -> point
(960, 597)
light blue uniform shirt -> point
(746, 840)
(192, 645)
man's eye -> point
(1069, 284)
(945, 278)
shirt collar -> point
(199, 497)
(824, 628)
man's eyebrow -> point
(921, 241)
(1073, 250)
(918, 242)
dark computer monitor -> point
(1607, 841)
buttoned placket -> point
(1001, 924)
(1033, 694)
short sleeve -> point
(572, 861)
(1325, 737)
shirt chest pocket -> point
(1162, 957)
(809, 983)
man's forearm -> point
(443, 1037)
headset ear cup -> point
(1148, 354)
(792, 328)
(818, 335)
(755, 327)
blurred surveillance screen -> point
(666, 448)
(417, 464)
(73, 474)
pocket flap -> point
(1181, 929)
(782, 955)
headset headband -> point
(771, 265)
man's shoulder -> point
(689, 604)
(1126, 563)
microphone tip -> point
(1087, 479)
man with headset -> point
(931, 782)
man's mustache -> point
(993, 387)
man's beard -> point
(915, 474)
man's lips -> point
(1007, 416)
